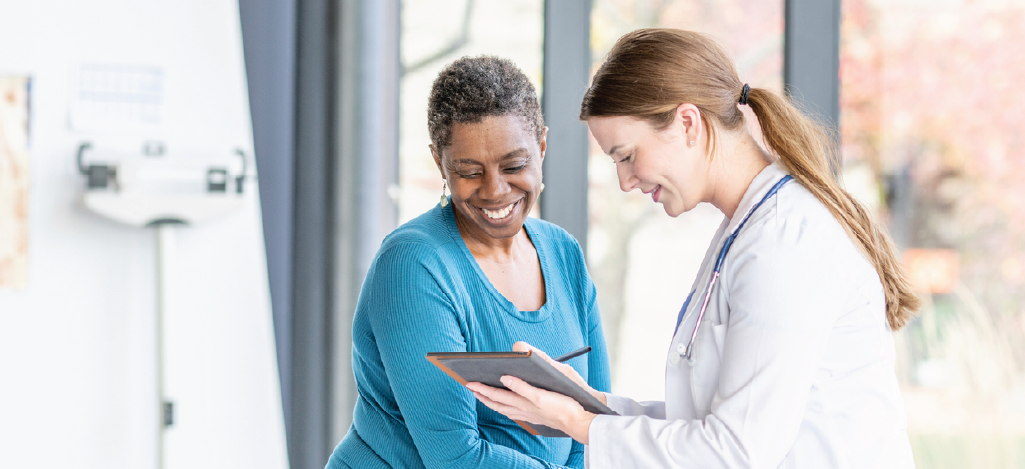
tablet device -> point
(490, 367)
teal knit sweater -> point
(425, 293)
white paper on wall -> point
(117, 99)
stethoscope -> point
(689, 351)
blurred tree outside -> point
(931, 125)
(930, 111)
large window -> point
(643, 262)
(931, 115)
(931, 125)
(435, 33)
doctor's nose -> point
(627, 181)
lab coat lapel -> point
(679, 400)
(682, 380)
(760, 186)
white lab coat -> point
(793, 363)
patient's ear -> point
(437, 159)
(544, 142)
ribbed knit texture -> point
(425, 293)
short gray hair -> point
(472, 88)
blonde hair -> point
(650, 72)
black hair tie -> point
(743, 94)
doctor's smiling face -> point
(671, 164)
(493, 168)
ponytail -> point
(649, 72)
(805, 150)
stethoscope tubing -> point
(689, 351)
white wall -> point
(77, 346)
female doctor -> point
(783, 355)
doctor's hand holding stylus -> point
(525, 402)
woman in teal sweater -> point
(472, 274)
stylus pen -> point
(576, 353)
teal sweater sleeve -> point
(411, 314)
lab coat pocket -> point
(704, 373)
(719, 333)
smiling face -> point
(493, 168)
(661, 163)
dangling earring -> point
(542, 187)
(444, 194)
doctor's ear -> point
(688, 117)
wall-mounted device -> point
(151, 189)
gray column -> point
(268, 38)
(367, 168)
(811, 57)
(567, 65)
(310, 441)
(324, 84)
